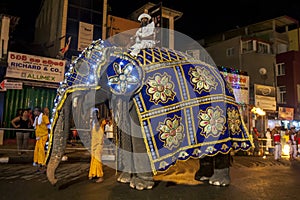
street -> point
(252, 178)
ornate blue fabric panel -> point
(187, 110)
(158, 55)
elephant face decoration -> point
(176, 106)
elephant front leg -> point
(133, 154)
(136, 169)
(143, 177)
(125, 153)
(142, 181)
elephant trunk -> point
(59, 140)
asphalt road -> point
(252, 178)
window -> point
(85, 16)
(73, 13)
(96, 18)
(72, 27)
(86, 4)
(281, 97)
(230, 51)
(281, 48)
(280, 69)
(263, 48)
(247, 46)
(74, 2)
(97, 5)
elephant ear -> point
(125, 76)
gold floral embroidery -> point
(224, 147)
(163, 164)
(183, 155)
(233, 120)
(202, 79)
(197, 152)
(210, 149)
(171, 132)
(212, 121)
(160, 88)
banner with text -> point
(240, 86)
(30, 67)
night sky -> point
(196, 22)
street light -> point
(258, 111)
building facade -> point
(288, 85)
(253, 49)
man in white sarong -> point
(145, 35)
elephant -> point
(168, 107)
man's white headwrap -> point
(144, 15)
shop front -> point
(37, 79)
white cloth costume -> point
(109, 131)
(269, 140)
(144, 37)
(38, 120)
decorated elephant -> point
(168, 107)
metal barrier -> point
(17, 129)
(262, 145)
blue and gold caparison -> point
(185, 107)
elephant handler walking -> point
(41, 125)
(97, 134)
(277, 141)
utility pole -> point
(104, 21)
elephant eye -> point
(82, 68)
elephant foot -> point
(220, 177)
(124, 177)
(141, 182)
(202, 176)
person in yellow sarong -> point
(41, 125)
(97, 140)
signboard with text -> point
(240, 86)
(265, 97)
(4, 85)
(285, 113)
(30, 67)
(85, 35)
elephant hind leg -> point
(221, 176)
(206, 169)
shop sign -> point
(285, 113)
(240, 86)
(265, 97)
(30, 67)
(4, 85)
(85, 35)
